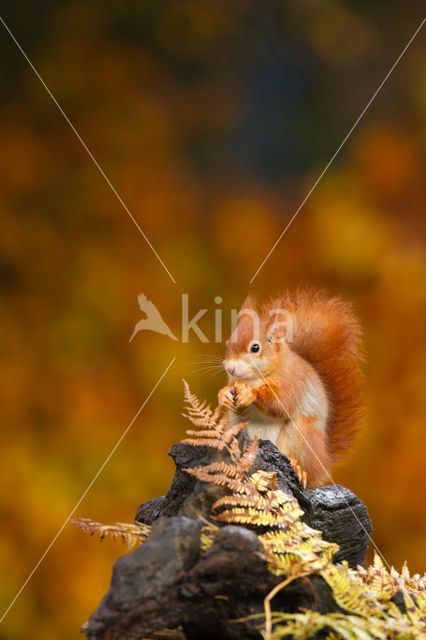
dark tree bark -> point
(170, 584)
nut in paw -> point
(226, 397)
(244, 395)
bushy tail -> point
(327, 334)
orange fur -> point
(309, 379)
(327, 334)
(311, 451)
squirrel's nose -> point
(230, 369)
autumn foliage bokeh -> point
(212, 120)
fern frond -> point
(230, 470)
(258, 517)
(403, 580)
(130, 534)
(349, 627)
(202, 433)
(205, 442)
(231, 433)
(349, 591)
(279, 511)
(252, 500)
(207, 534)
(291, 547)
(199, 412)
(219, 479)
(248, 456)
(213, 427)
(264, 481)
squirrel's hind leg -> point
(304, 442)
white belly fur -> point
(269, 428)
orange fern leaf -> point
(132, 534)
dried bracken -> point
(131, 534)
(212, 426)
(292, 549)
(384, 582)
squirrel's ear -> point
(247, 320)
(280, 326)
(248, 310)
(249, 303)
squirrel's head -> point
(259, 345)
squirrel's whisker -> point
(210, 368)
(209, 356)
(207, 362)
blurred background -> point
(212, 120)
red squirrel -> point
(294, 367)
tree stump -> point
(170, 588)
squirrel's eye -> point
(255, 347)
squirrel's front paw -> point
(244, 395)
(226, 397)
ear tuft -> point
(249, 303)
